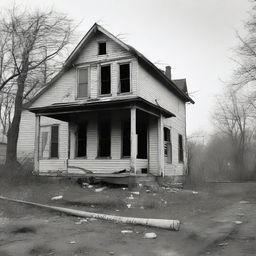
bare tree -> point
(29, 41)
(234, 117)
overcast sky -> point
(194, 37)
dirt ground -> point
(217, 219)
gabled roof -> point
(171, 85)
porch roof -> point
(60, 110)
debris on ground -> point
(135, 192)
(126, 231)
(238, 222)
(111, 253)
(244, 202)
(223, 244)
(129, 205)
(90, 186)
(148, 191)
(57, 198)
(100, 189)
(130, 197)
(81, 221)
(72, 242)
(195, 192)
(150, 235)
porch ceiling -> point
(62, 111)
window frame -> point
(77, 82)
(102, 42)
(50, 142)
(130, 77)
(168, 144)
(180, 149)
(99, 83)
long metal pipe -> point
(159, 223)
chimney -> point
(168, 72)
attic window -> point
(102, 48)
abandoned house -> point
(109, 112)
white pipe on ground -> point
(159, 223)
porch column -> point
(37, 142)
(133, 140)
(161, 145)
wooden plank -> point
(133, 140)
(36, 150)
(161, 145)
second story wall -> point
(65, 88)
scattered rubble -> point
(151, 235)
(126, 231)
(135, 192)
(100, 189)
(56, 198)
(244, 202)
(238, 222)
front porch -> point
(100, 140)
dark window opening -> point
(104, 130)
(181, 154)
(167, 144)
(82, 90)
(102, 48)
(126, 142)
(81, 140)
(54, 141)
(105, 80)
(125, 78)
(142, 135)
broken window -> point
(167, 144)
(142, 135)
(82, 87)
(54, 141)
(49, 142)
(126, 143)
(81, 140)
(102, 48)
(124, 78)
(105, 80)
(181, 154)
(45, 136)
(104, 131)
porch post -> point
(161, 145)
(36, 149)
(133, 139)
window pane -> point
(181, 157)
(55, 141)
(125, 78)
(82, 83)
(102, 48)
(83, 76)
(105, 80)
(45, 142)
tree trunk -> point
(13, 132)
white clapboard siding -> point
(90, 51)
(153, 146)
(151, 89)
